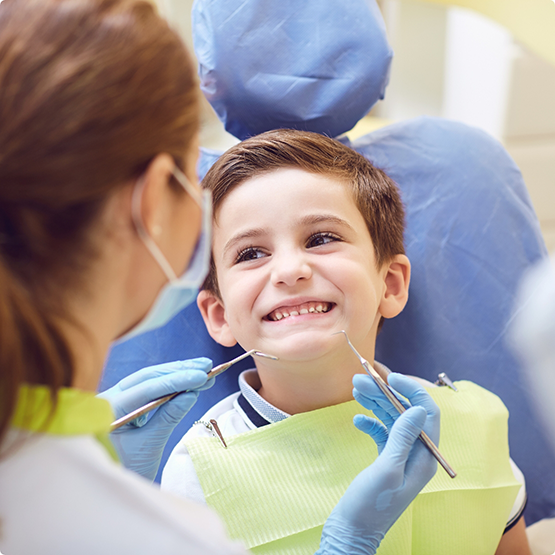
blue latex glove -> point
(140, 443)
(379, 494)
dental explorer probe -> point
(157, 402)
(388, 392)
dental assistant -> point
(99, 214)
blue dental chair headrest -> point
(471, 229)
(256, 63)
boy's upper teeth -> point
(304, 308)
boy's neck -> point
(306, 387)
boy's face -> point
(295, 263)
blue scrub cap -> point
(310, 65)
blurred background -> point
(460, 64)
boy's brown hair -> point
(375, 194)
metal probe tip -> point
(264, 355)
(349, 342)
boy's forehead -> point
(268, 183)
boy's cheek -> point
(241, 293)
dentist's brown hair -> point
(90, 92)
(374, 193)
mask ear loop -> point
(150, 244)
(153, 248)
(186, 184)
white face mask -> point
(179, 291)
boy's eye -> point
(250, 253)
(321, 238)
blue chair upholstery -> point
(471, 229)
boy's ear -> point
(213, 314)
(396, 292)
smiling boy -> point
(308, 240)
(291, 278)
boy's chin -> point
(302, 349)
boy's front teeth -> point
(305, 308)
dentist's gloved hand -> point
(380, 494)
(140, 443)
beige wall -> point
(457, 64)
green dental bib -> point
(275, 486)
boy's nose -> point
(290, 268)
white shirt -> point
(64, 495)
(247, 410)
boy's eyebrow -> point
(325, 218)
(248, 234)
